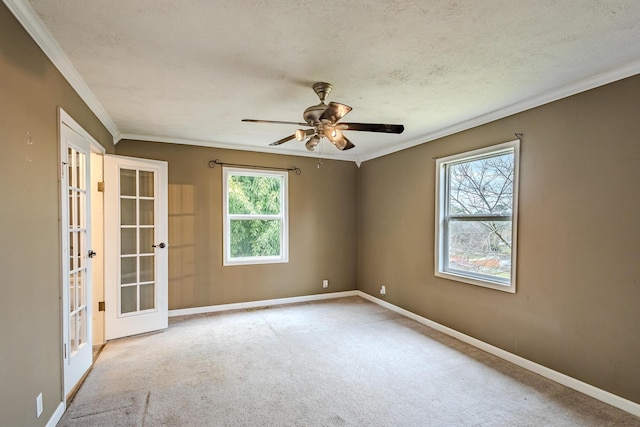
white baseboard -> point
(57, 415)
(589, 390)
(261, 303)
(582, 387)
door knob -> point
(161, 246)
(91, 253)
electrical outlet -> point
(383, 290)
(39, 405)
(325, 283)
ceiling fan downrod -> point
(322, 89)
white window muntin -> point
(283, 217)
(443, 218)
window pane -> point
(147, 268)
(128, 299)
(82, 323)
(147, 296)
(72, 251)
(480, 247)
(256, 237)
(146, 212)
(146, 240)
(127, 182)
(128, 211)
(146, 184)
(72, 195)
(80, 162)
(483, 186)
(254, 195)
(80, 296)
(128, 241)
(80, 222)
(70, 165)
(72, 292)
(128, 270)
(73, 326)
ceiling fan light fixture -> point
(336, 137)
(333, 134)
(341, 144)
(304, 133)
(312, 143)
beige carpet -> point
(344, 362)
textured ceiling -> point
(190, 70)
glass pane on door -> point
(147, 268)
(129, 296)
(137, 239)
(146, 296)
(146, 183)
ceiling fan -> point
(324, 122)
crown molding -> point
(564, 92)
(25, 14)
(326, 154)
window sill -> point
(511, 288)
(254, 261)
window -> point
(476, 204)
(255, 216)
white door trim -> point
(65, 118)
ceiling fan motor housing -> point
(312, 114)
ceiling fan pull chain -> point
(320, 155)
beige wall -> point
(322, 230)
(577, 306)
(31, 89)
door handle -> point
(91, 253)
(161, 246)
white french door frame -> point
(118, 322)
(76, 362)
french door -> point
(76, 255)
(136, 247)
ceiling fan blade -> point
(339, 140)
(334, 112)
(372, 127)
(283, 140)
(275, 121)
(349, 144)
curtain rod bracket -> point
(213, 163)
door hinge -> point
(65, 350)
(101, 186)
(101, 306)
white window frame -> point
(228, 260)
(442, 191)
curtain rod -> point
(213, 163)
